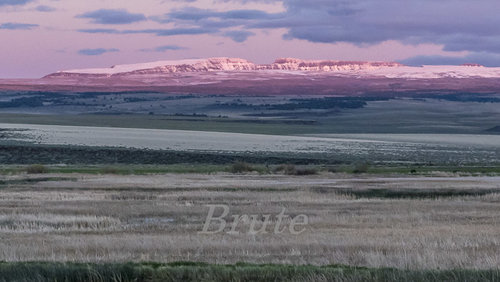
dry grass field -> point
(367, 220)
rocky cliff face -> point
(212, 64)
(280, 67)
(303, 65)
(224, 64)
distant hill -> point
(224, 64)
(284, 66)
(285, 76)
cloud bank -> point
(97, 51)
(110, 16)
(458, 25)
(17, 26)
(14, 2)
(164, 48)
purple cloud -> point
(238, 35)
(158, 32)
(457, 24)
(482, 58)
(14, 2)
(195, 14)
(108, 16)
(18, 26)
(97, 51)
(165, 48)
(44, 8)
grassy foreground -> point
(189, 271)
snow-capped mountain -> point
(227, 64)
(194, 65)
(287, 65)
(292, 64)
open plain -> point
(373, 220)
(118, 186)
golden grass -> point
(157, 218)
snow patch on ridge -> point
(229, 64)
(288, 66)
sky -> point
(38, 37)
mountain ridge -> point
(282, 66)
(226, 64)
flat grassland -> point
(368, 220)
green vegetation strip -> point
(255, 126)
(242, 167)
(34, 180)
(188, 271)
(83, 155)
(411, 193)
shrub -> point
(109, 170)
(240, 167)
(36, 168)
(306, 171)
(290, 169)
(332, 169)
(361, 168)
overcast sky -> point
(38, 37)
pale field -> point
(377, 148)
(97, 218)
